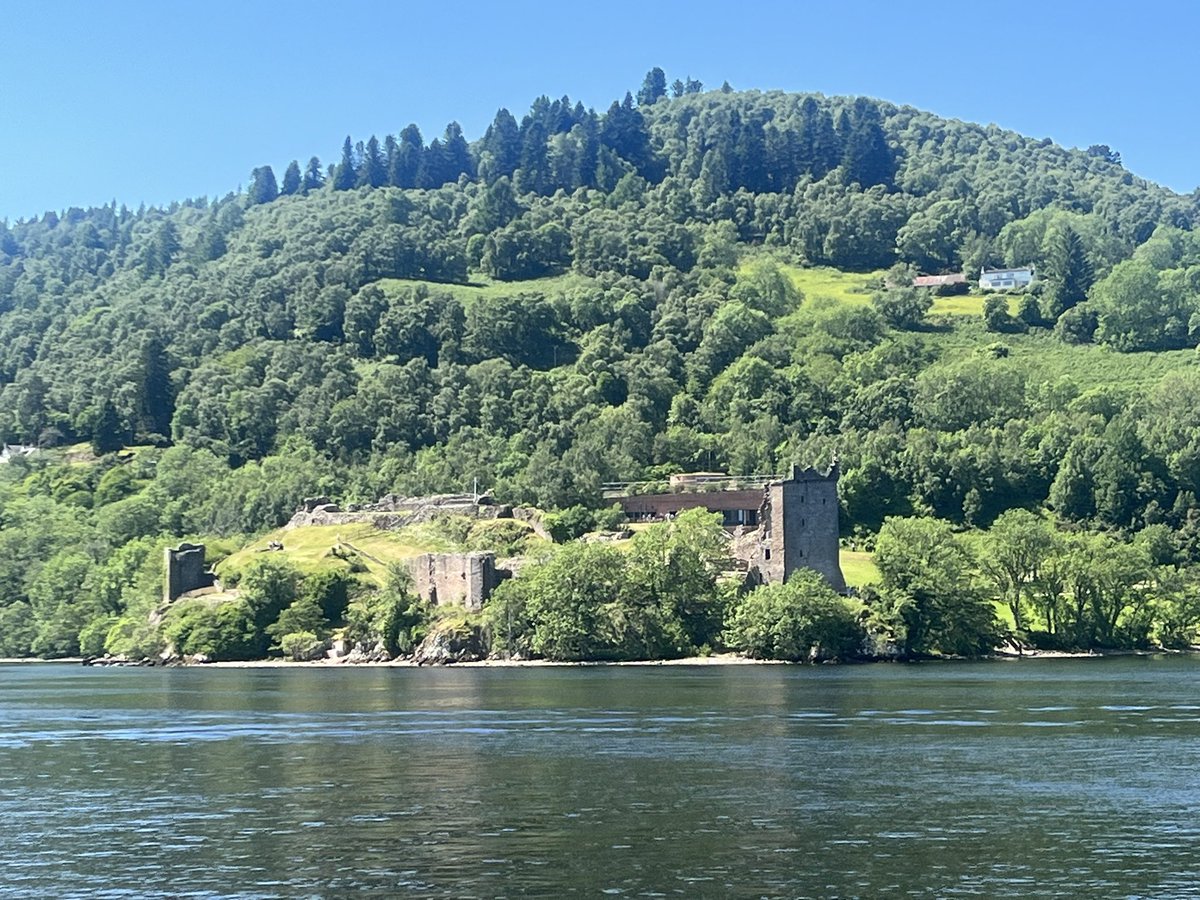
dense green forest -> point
(578, 297)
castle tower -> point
(798, 527)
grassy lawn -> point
(480, 287)
(1048, 360)
(310, 547)
(822, 281)
(858, 568)
(960, 305)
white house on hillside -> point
(1005, 279)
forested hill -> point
(579, 297)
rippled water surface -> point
(1048, 778)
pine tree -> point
(263, 187)
(107, 434)
(314, 177)
(291, 179)
(408, 158)
(866, 157)
(391, 149)
(346, 173)
(156, 394)
(502, 142)
(456, 154)
(1069, 273)
(654, 87)
(371, 170)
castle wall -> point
(461, 579)
(185, 569)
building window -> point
(767, 553)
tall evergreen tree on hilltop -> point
(263, 187)
(502, 143)
(818, 148)
(408, 158)
(346, 174)
(624, 131)
(314, 178)
(291, 179)
(654, 87)
(457, 154)
(866, 157)
(372, 171)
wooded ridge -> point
(689, 280)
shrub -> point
(301, 646)
(803, 620)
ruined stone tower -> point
(184, 570)
(798, 527)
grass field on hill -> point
(822, 281)
(481, 288)
(310, 547)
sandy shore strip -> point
(717, 659)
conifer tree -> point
(263, 187)
(502, 142)
(314, 178)
(866, 157)
(654, 87)
(371, 171)
(1069, 273)
(408, 158)
(291, 179)
(156, 394)
(346, 174)
(107, 435)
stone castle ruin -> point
(460, 579)
(778, 525)
(185, 570)
(443, 579)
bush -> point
(225, 631)
(995, 313)
(329, 589)
(903, 307)
(803, 620)
(302, 646)
(567, 524)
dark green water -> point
(1050, 778)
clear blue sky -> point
(137, 101)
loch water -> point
(1072, 778)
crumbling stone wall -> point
(393, 512)
(461, 579)
(184, 570)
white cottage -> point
(1005, 279)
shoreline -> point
(716, 659)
